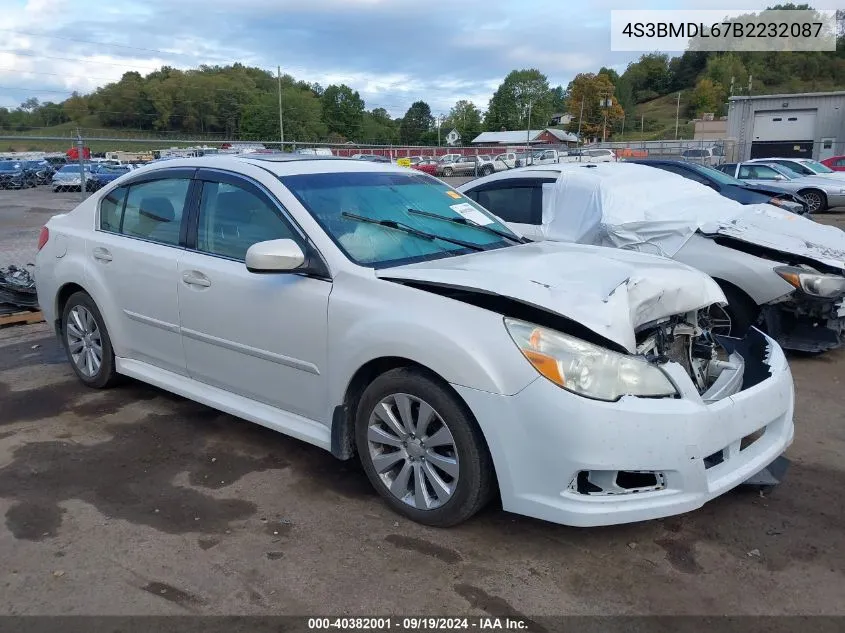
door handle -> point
(195, 278)
(101, 254)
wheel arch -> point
(822, 195)
(343, 417)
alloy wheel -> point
(814, 200)
(413, 451)
(84, 341)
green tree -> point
(707, 97)
(522, 92)
(593, 91)
(75, 108)
(302, 116)
(343, 111)
(559, 102)
(466, 118)
(649, 76)
(416, 122)
(721, 69)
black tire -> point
(487, 170)
(447, 171)
(107, 375)
(816, 200)
(741, 310)
(475, 483)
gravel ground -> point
(134, 501)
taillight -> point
(43, 237)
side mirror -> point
(274, 256)
(780, 177)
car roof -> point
(277, 164)
(599, 171)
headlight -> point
(587, 369)
(814, 284)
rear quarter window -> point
(111, 210)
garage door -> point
(787, 133)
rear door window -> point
(153, 210)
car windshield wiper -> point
(465, 222)
(410, 230)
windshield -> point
(720, 177)
(817, 167)
(9, 166)
(389, 196)
(786, 171)
(70, 169)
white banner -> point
(719, 30)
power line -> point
(71, 39)
(77, 59)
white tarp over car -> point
(611, 292)
(646, 209)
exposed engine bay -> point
(715, 364)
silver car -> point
(820, 192)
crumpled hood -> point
(769, 226)
(609, 291)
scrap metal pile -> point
(17, 288)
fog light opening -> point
(617, 482)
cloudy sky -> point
(392, 51)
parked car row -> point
(22, 174)
(821, 190)
(501, 339)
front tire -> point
(422, 450)
(87, 342)
(816, 200)
(447, 171)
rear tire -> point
(447, 171)
(87, 343)
(422, 450)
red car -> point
(836, 163)
(424, 163)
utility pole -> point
(642, 125)
(677, 115)
(750, 79)
(622, 136)
(80, 148)
(580, 118)
(281, 119)
(528, 136)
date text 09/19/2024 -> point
(419, 623)
(723, 29)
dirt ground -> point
(135, 501)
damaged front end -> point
(812, 318)
(718, 366)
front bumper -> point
(835, 199)
(544, 436)
(806, 324)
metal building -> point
(809, 125)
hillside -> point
(659, 114)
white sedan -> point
(371, 310)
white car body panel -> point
(281, 350)
(608, 291)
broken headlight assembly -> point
(587, 369)
(813, 283)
